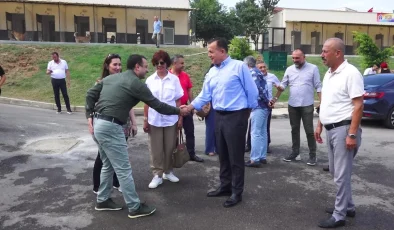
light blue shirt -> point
(302, 83)
(156, 26)
(230, 87)
(272, 80)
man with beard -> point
(115, 95)
(302, 78)
(341, 111)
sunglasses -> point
(160, 62)
(113, 56)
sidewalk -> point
(280, 110)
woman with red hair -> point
(162, 129)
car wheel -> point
(389, 122)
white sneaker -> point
(171, 177)
(156, 181)
(298, 158)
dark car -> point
(379, 98)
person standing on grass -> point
(58, 70)
(2, 78)
(178, 65)
(302, 78)
(109, 103)
(341, 111)
(112, 65)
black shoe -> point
(143, 210)
(108, 205)
(219, 192)
(349, 213)
(331, 223)
(196, 158)
(311, 161)
(232, 201)
(291, 157)
(255, 164)
(263, 161)
(326, 168)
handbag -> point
(204, 111)
(180, 155)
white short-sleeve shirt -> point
(339, 88)
(167, 90)
(58, 69)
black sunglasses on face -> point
(160, 62)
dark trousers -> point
(60, 84)
(248, 139)
(210, 140)
(98, 164)
(230, 131)
(296, 114)
(188, 126)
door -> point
(142, 30)
(339, 35)
(109, 30)
(52, 29)
(379, 40)
(315, 42)
(9, 25)
(295, 40)
(39, 27)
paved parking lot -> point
(46, 163)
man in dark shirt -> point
(115, 95)
(2, 78)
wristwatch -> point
(352, 136)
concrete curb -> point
(278, 112)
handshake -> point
(185, 110)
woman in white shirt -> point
(162, 129)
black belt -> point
(223, 112)
(338, 124)
(108, 118)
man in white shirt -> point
(341, 111)
(371, 70)
(303, 79)
(58, 69)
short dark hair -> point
(220, 43)
(163, 55)
(133, 60)
(176, 57)
(55, 53)
(300, 50)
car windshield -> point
(378, 79)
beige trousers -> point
(162, 143)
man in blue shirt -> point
(156, 31)
(259, 117)
(233, 93)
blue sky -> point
(385, 6)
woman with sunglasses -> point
(112, 65)
(162, 129)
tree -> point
(370, 52)
(212, 19)
(239, 49)
(255, 17)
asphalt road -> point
(46, 163)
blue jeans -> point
(259, 118)
(210, 141)
(113, 152)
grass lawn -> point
(25, 67)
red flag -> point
(370, 10)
